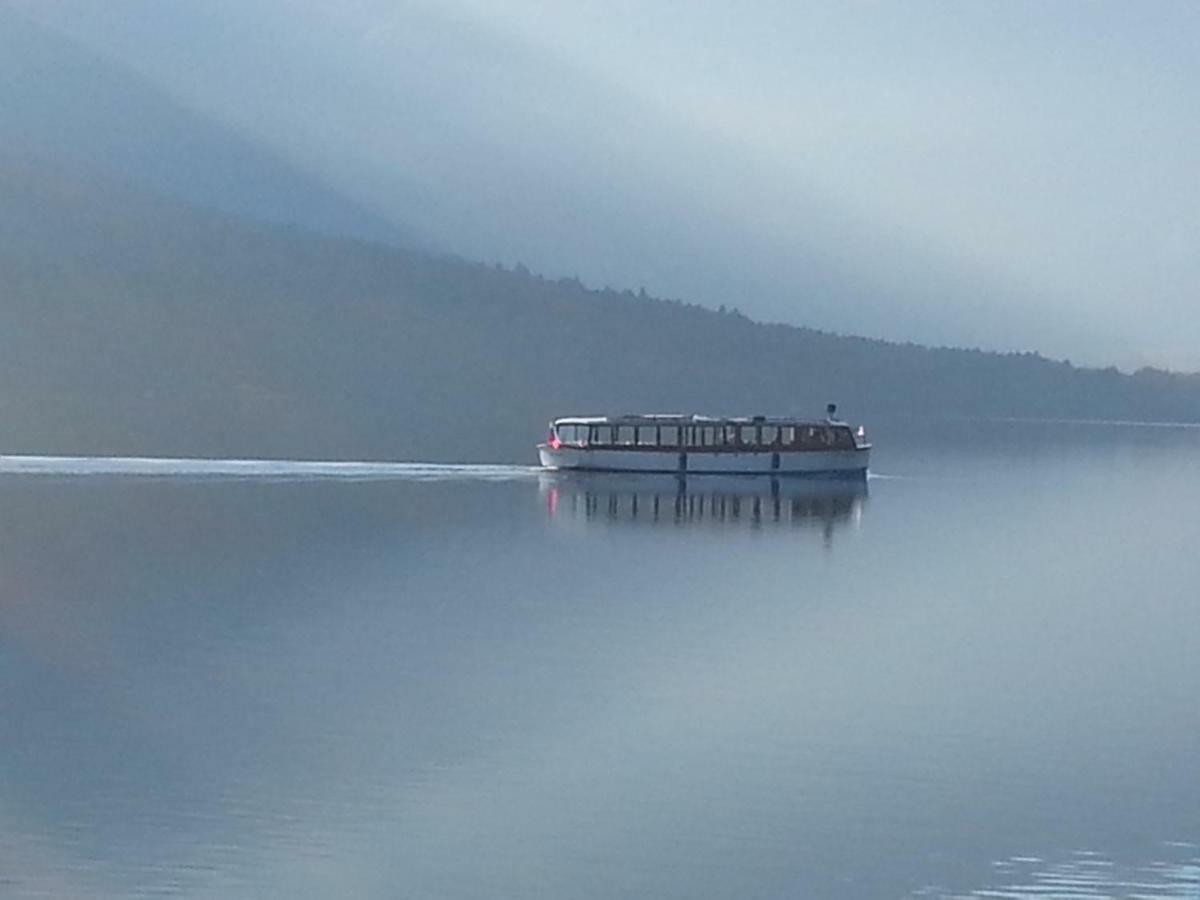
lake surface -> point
(976, 675)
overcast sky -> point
(1010, 175)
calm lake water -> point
(976, 675)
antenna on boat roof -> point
(831, 411)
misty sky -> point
(1008, 175)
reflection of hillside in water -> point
(753, 501)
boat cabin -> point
(701, 434)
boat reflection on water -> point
(751, 501)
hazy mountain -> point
(934, 176)
(61, 100)
(132, 324)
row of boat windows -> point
(780, 437)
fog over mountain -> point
(133, 324)
(1012, 176)
(64, 103)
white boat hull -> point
(847, 463)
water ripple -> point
(1087, 874)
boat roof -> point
(691, 419)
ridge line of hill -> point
(137, 325)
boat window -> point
(843, 439)
(647, 435)
(604, 434)
(750, 435)
(788, 435)
(573, 434)
(770, 435)
(669, 436)
(812, 437)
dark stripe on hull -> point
(847, 474)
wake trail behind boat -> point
(261, 469)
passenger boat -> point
(687, 444)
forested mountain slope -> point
(131, 324)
